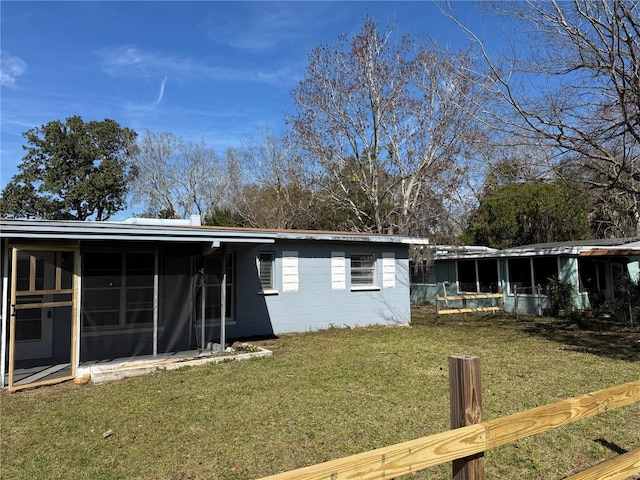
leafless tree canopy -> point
(270, 186)
(389, 124)
(177, 178)
(577, 91)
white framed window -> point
(363, 271)
(266, 270)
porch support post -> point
(5, 287)
(223, 299)
(203, 309)
(156, 284)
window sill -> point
(365, 288)
(268, 291)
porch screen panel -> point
(174, 333)
(543, 269)
(488, 275)
(117, 304)
(467, 275)
(520, 274)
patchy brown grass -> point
(325, 395)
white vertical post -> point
(223, 300)
(203, 304)
(156, 284)
(5, 286)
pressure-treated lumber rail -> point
(464, 308)
(618, 468)
(416, 455)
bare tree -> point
(177, 178)
(577, 90)
(389, 125)
(271, 186)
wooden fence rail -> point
(416, 455)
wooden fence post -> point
(465, 394)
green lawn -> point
(325, 395)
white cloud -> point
(133, 62)
(11, 67)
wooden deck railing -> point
(464, 308)
(416, 455)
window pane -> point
(467, 275)
(66, 267)
(362, 269)
(423, 272)
(23, 268)
(139, 269)
(139, 298)
(136, 317)
(265, 266)
(28, 324)
(102, 269)
(520, 274)
(488, 275)
(100, 319)
(40, 265)
(588, 275)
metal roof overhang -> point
(125, 231)
(610, 252)
(54, 230)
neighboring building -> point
(77, 294)
(593, 267)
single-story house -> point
(593, 267)
(77, 294)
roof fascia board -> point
(69, 230)
(140, 238)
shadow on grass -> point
(616, 345)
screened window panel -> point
(588, 275)
(467, 276)
(520, 274)
(118, 288)
(213, 271)
(543, 269)
(488, 275)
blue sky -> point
(218, 71)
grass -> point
(325, 395)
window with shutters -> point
(363, 271)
